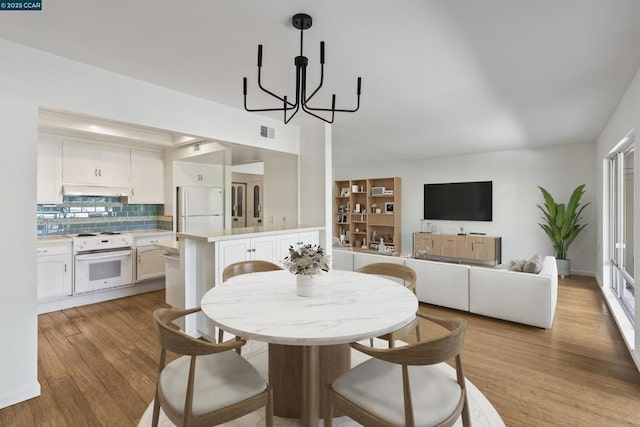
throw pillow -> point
(534, 265)
(516, 264)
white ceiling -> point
(439, 77)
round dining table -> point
(308, 336)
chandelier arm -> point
(281, 99)
(299, 72)
(306, 110)
(319, 86)
(321, 74)
(340, 110)
(337, 110)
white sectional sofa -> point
(518, 297)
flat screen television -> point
(459, 201)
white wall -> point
(625, 120)
(33, 79)
(280, 188)
(315, 179)
(515, 175)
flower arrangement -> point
(306, 260)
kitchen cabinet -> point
(263, 248)
(284, 241)
(89, 163)
(49, 184)
(200, 175)
(54, 270)
(147, 177)
(149, 261)
(236, 250)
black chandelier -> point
(300, 21)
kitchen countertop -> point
(54, 239)
(234, 233)
(172, 246)
(148, 232)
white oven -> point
(102, 264)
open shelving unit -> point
(367, 211)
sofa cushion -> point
(534, 265)
(516, 264)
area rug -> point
(482, 412)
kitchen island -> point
(204, 255)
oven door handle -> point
(109, 255)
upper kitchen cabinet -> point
(87, 163)
(147, 177)
(197, 174)
(49, 170)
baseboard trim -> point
(583, 273)
(79, 300)
(623, 323)
(25, 393)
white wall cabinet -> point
(149, 261)
(54, 271)
(49, 189)
(196, 174)
(88, 163)
(147, 177)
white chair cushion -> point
(376, 386)
(221, 379)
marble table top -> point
(348, 307)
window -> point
(621, 232)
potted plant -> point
(562, 225)
(306, 262)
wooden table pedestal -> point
(291, 368)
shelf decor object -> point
(300, 21)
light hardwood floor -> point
(97, 365)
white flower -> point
(307, 260)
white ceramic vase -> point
(306, 284)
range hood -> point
(94, 190)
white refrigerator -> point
(200, 209)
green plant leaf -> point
(561, 223)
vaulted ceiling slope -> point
(439, 77)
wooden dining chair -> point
(410, 278)
(405, 386)
(210, 384)
(245, 267)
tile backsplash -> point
(98, 214)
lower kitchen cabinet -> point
(149, 261)
(236, 250)
(296, 240)
(272, 248)
(54, 270)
